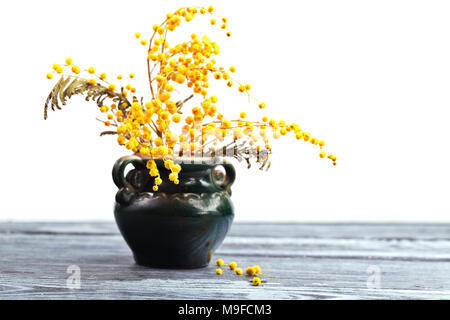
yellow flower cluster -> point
(157, 128)
(250, 271)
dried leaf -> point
(64, 89)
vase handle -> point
(126, 191)
(230, 176)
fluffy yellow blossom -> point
(176, 118)
(164, 96)
(219, 262)
(179, 78)
(219, 271)
(256, 281)
(173, 176)
(49, 76)
(121, 139)
(232, 265)
(158, 141)
(250, 271)
(76, 69)
(238, 271)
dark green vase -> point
(179, 226)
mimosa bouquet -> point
(161, 126)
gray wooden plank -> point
(300, 261)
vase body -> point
(178, 226)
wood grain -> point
(299, 261)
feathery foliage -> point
(65, 88)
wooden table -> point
(299, 261)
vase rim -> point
(184, 159)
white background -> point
(370, 77)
